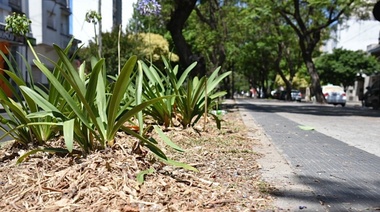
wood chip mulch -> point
(228, 177)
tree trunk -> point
(277, 63)
(227, 87)
(288, 85)
(315, 82)
(179, 16)
(307, 44)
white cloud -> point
(85, 31)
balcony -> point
(65, 39)
(8, 36)
(63, 3)
(374, 49)
(64, 6)
(15, 5)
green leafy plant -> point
(189, 103)
(158, 84)
(199, 95)
(17, 23)
(86, 109)
(98, 111)
(94, 18)
(17, 123)
(99, 114)
(22, 127)
(98, 108)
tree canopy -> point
(257, 39)
(342, 66)
(310, 21)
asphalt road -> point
(333, 167)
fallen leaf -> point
(303, 127)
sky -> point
(85, 31)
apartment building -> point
(11, 43)
(50, 25)
(374, 49)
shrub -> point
(189, 102)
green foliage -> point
(128, 48)
(155, 85)
(191, 99)
(310, 20)
(20, 124)
(25, 128)
(98, 114)
(141, 23)
(243, 35)
(342, 65)
(188, 105)
(167, 139)
(146, 46)
(140, 176)
(19, 24)
(155, 47)
(93, 17)
(87, 110)
(211, 20)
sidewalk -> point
(311, 171)
(277, 171)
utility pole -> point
(116, 14)
(100, 28)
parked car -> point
(334, 94)
(296, 95)
(372, 96)
(279, 94)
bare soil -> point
(228, 178)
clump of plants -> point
(192, 98)
(88, 108)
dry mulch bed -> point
(228, 177)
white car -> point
(334, 94)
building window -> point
(51, 20)
(64, 25)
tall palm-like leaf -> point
(191, 99)
(189, 103)
(97, 106)
(158, 84)
(24, 128)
